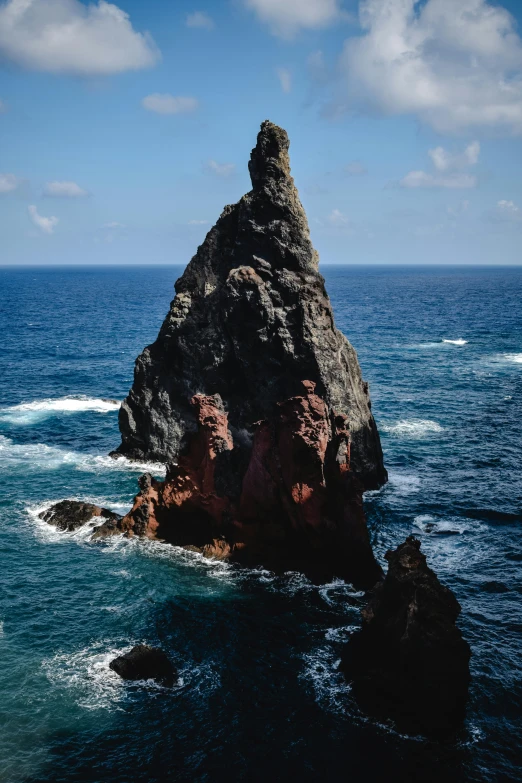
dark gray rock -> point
(409, 663)
(145, 663)
(69, 515)
(250, 321)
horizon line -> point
(331, 264)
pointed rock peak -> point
(269, 160)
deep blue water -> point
(259, 696)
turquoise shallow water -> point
(259, 695)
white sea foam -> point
(429, 524)
(338, 589)
(95, 686)
(87, 673)
(321, 669)
(460, 341)
(411, 428)
(403, 483)
(43, 457)
(447, 527)
(340, 634)
(50, 534)
(503, 359)
(423, 521)
(27, 413)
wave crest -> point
(27, 413)
(39, 456)
(411, 428)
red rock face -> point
(299, 506)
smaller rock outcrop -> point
(145, 663)
(69, 515)
(409, 662)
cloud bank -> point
(66, 36)
(455, 64)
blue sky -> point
(125, 128)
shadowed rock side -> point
(251, 319)
(409, 662)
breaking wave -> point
(27, 413)
(460, 341)
(321, 670)
(95, 686)
(39, 456)
(48, 533)
(411, 428)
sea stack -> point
(409, 662)
(255, 400)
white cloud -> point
(221, 169)
(287, 17)
(45, 224)
(66, 36)
(198, 222)
(449, 166)
(455, 65)
(508, 206)
(64, 190)
(509, 211)
(200, 19)
(355, 169)
(169, 104)
(285, 79)
(420, 179)
(8, 182)
(336, 218)
(447, 161)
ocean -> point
(259, 695)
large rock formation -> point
(251, 319)
(409, 662)
(255, 399)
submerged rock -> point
(409, 662)
(255, 399)
(69, 515)
(145, 663)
